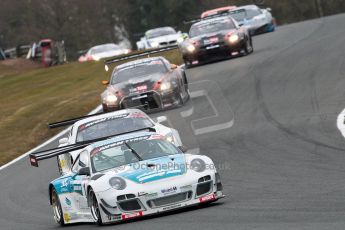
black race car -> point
(214, 38)
(149, 84)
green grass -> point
(31, 100)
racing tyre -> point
(95, 208)
(59, 166)
(248, 49)
(58, 214)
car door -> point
(80, 182)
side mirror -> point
(84, 171)
(269, 9)
(105, 82)
(240, 24)
(173, 66)
(184, 149)
(161, 119)
(63, 141)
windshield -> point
(159, 32)
(104, 48)
(130, 152)
(240, 15)
(139, 70)
(112, 126)
(211, 27)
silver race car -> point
(253, 18)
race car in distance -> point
(215, 37)
(103, 51)
(160, 37)
(109, 124)
(217, 11)
(149, 83)
(131, 176)
(253, 18)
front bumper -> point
(153, 202)
(215, 51)
(149, 101)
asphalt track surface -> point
(281, 142)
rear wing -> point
(49, 153)
(70, 121)
(138, 55)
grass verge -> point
(30, 100)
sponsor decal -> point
(131, 215)
(66, 217)
(171, 207)
(207, 198)
(68, 201)
(169, 190)
(114, 217)
(110, 144)
(92, 123)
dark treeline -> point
(84, 23)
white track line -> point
(63, 132)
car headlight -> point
(190, 48)
(198, 165)
(154, 44)
(170, 138)
(117, 183)
(180, 39)
(165, 86)
(234, 38)
(110, 99)
(96, 58)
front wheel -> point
(248, 49)
(58, 214)
(95, 208)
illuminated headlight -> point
(190, 48)
(165, 86)
(117, 183)
(96, 58)
(106, 67)
(234, 38)
(198, 165)
(110, 99)
(170, 138)
(154, 44)
(180, 39)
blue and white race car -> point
(254, 19)
(130, 176)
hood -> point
(137, 84)
(110, 53)
(161, 168)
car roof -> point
(246, 7)
(107, 44)
(214, 11)
(159, 28)
(106, 115)
(210, 20)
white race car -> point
(109, 124)
(253, 18)
(160, 37)
(130, 176)
(103, 51)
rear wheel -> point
(56, 205)
(95, 208)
